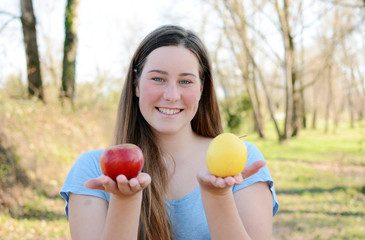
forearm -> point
(123, 217)
(223, 218)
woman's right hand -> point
(116, 219)
(122, 187)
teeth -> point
(169, 111)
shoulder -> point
(253, 153)
(91, 155)
(87, 164)
(86, 167)
(251, 147)
(89, 158)
(263, 175)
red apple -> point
(126, 159)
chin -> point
(168, 130)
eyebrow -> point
(165, 73)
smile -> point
(169, 111)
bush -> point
(234, 111)
(11, 172)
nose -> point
(171, 93)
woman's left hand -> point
(209, 181)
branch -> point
(270, 19)
(264, 39)
(7, 22)
(342, 4)
(9, 14)
(330, 53)
(235, 13)
(310, 24)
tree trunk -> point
(290, 106)
(69, 51)
(245, 59)
(303, 111)
(314, 119)
(355, 88)
(35, 85)
(362, 98)
(260, 120)
(349, 94)
(329, 98)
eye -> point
(157, 79)
(185, 82)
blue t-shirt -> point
(187, 213)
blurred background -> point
(290, 74)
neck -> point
(177, 144)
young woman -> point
(168, 108)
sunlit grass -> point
(319, 178)
(346, 145)
(33, 228)
(36, 217)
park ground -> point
(319, 177)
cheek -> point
(191, 98)
(148, 93)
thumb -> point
(95, 183)
(252, 168)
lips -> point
(169, 111)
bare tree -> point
(35, 85)
(234, 18)
(329, 97)
(69, 52)
(343, 89)
(236, 29)
(353, 94)
(291, 125)
(304, 66)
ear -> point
(137, 90)
(201, 88)
(136, 82)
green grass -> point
(319, 178)
(320, 183)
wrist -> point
(216, 192)
(136, 197)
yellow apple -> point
(226, 155)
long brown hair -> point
(131, 127)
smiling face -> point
(169, 89)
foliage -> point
(15, 87)
(234, 111)
(10, 170)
